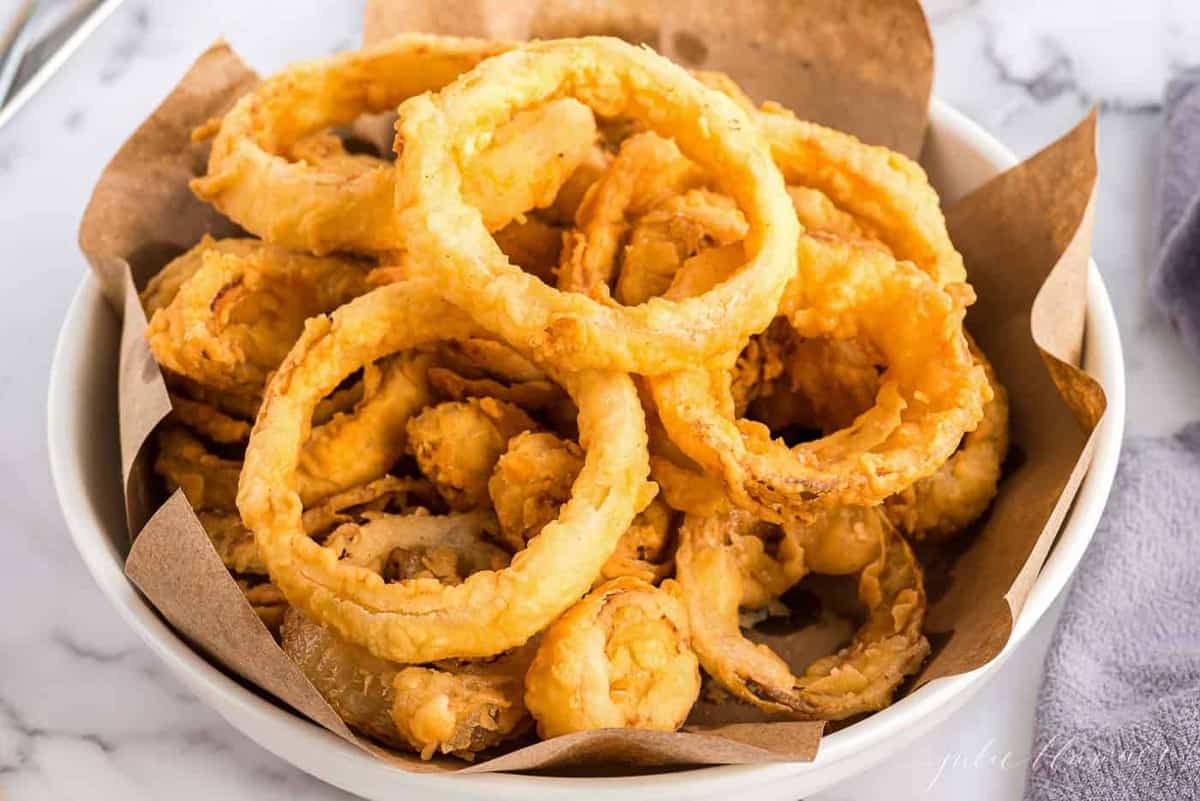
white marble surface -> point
(87, 712)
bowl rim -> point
(238, 704)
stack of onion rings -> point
(529, 423)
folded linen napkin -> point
(1175, 277)
(1119, 708)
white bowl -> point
(84, 459)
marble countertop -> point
(87, 712)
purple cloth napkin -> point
(1175, 277)
(1119, 709)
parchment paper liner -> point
(865, 67)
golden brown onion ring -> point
(208, 481)
(647, 170)
(930, 395)
(945, 503)
(454, 709)
(615, 79)
(350, 449)
(349, 204)
(422, 620)
(670, 233)
(164, 286)
(533, 479)
(619, 658)
(207, 420)
(457, 443)
(234, 543)
(860, 678)
(235, 318)
(360, 445)
(888, 194)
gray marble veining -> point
(87, 712)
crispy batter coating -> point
(234, 543)
(207, 480)
(931, 393)
(350, 449)
(569, 198)
(457, 443)
(945, 503)
(533, 245)
(161, 290)
(447, 548)
(823, 384)
(483, 368)
(332, 202)
(670, 233)
(859, 678)
(647, 170)
(207, 420)
(565, 327)
(533, 479)
(362, 444)
(233, 320)
(419, 620)
(646, 549)
(451, 708)
(620, 658)
(888, 194)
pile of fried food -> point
(520, 424)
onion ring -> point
(164, 286)
(945, 503)
(208, 481)
(931, 394)
(232, 321)
(360, 445)
(859, 678)
(619, 658)
(533, 479)
(615, 79)
(350, 204)
(419, 620)
(207, 420)
(888, 194)
(234, 543)
(457, 443)
(454, 709)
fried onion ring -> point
(208, 481)
(619, 658)
(355, 447)
(455, 709)
(948, 501)
(533, 479)
(234, 543)
(421, 620)
(456, 445)
(615, 79)
(234, 319)
(349, 204)
(208, 420)
(930, 395)
(860, 678)
(889, 195)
